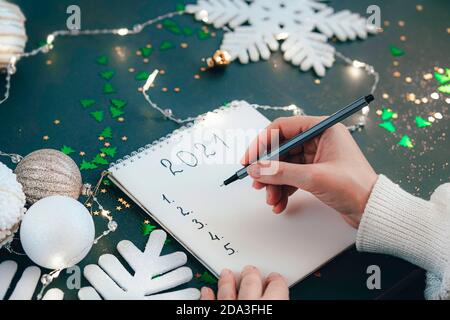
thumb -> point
(284, 173)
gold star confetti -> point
(101, 138)
(96, 213)
(434, 96)
(419, 7)
(397, 74)
(121, 119)
(138, 53)
(408, 79)
(379, 112)
(428, 76)
(45, 137)
(131, 70)
(145, 60)
(424, 100)
(401, 23)
(162, 71)
(118, 208)
(159, 26)
(202, 69)
(124, 138)
(385, 96)
(403, 38)
(102, 155)
(184, 45)
(396, 63)
(177, 89)
(49, 62)
(82, 153)
(88, 204)
(417, 101)
(107, 144)
(317, 81)
(56, 121)
(196, 76)
(386, 23)
(103, 190)
(164, 89)
(148, 45)
(411, 97)
(146, 221)
(140, 89)
(127, 205)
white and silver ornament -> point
(48, 172)
(57, 232)
(12, 32)
(12, 202)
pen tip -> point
(222, 185)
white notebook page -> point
(178, 184)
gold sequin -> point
(317, 81)
(164, 89)
(184, 45)
(82, 153)
(196, 76)
(177, 89)
(45, 137)
(124, 138)
(397, 74)
(419, 7)
(56, 121)
(131, 70)
(401, 23)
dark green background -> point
(42, 93)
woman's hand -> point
(250, 287)
(330, 166)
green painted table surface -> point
(49, 87)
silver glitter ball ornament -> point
(48, 172)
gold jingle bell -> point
(220, 58)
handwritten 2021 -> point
(191, 158)
(200, 225)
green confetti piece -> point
(388, 125)
(442, 78)
(187, 31)
(106, 133)
(180, 6)
(86, 103)
(67, 150)
(422, 123)
(171, 26)
(146, 52)
(108, 88)
(396, 51)
(118, 103)
(42, 43)
(103, 60)
(203, 35)
(387, 114)
(142, 75)
(109, 151)
(206, 277)
(166, 45)
(99, 160)
(97, 115)
(106, 182)
(115, 112)
(85, 165)
(406, 142)
(107, 75)
(147, 228)
(445, 89)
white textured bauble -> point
(57, 232)
(12, 202)
(12, 32)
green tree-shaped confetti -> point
(99, 160)
(142, 75)
(388, 125)
(108, 88)
(443, 78)
(180, 6)
(106, 133)
(106, 182)
(118, 103)
(97, 115)
(445, 89)
(146, 52)
(406, 142)
(109, 151)
(87, 102)
(103, 60)
(187, 31)
(422, 123)
(166, 45)
(203, 35)
(396, 51)
(85, 165)
(115, 112)
(387, 114)
(171, 26)
(147, 228)
(207, 278)
(107, 75)
(67, 150)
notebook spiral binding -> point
(177, 133)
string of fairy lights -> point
(168, 112)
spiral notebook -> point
(176, 180)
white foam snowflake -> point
(303, 26)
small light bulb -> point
(122, 31)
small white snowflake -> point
(303, 27)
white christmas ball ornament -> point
(57, 232)
(12, 32)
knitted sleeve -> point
(397, 223)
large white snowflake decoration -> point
(304, 26)
(153, 273)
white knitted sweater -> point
(397, 223)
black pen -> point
(308, 134)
